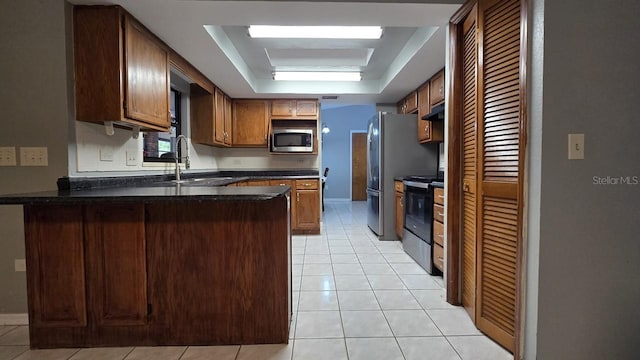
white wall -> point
(588, 291)
(337, 145)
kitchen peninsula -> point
(158, 264)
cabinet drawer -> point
(438, 213)
(438, 233)
(438, 257)
(399, 186)
(306, 184)
(438, 196)
(283, 182)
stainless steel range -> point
(417, 237)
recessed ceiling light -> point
(315, 32)
(317, 75)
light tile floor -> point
(355, 298)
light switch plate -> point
(576, 146)
(106, 154)
(20, 265)
(132, 158)
(34, 156)
(8, 156)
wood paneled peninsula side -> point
(161, 265)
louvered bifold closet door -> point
(469, 161)
(501, 135)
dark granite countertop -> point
(151, 193)
(438, 184)
(86, 183)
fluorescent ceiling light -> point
(315, 32)
(317, 75)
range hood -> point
(436, 114)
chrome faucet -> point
(187, 164)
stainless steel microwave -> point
(292, 140)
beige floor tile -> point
(432, 299)
(8, 352)
(266, 352)
(386, 282)
(371, 259)
(317, 269)
(408, 269)
(453, 321)
(341, 250)
(318, 300)
(111, 353)
(347, 269)
(396, 300)
(427, 348)
(352, 282)
(357, 300)
(411, 323)
(344, 259)
(419, 282)
(319, 349)
(398, 258)
(49, 354)
(365, 324)
(377, 269)
(319, 324)
(373, 349)
(211, 352)
(478, 348)
(16, 336)
(156, 353)
(317, 259)
(318, 282)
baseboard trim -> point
(14, 319)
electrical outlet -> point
(34, 156)
(8, 156)
(106, 154)
(132, 158)
(20, 265)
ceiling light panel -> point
(315, 32)
(317, 76)
(319, 57)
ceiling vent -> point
(330, 97)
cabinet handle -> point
(440, 214)
(282, 184)
(440, 196)
(441, 235)
(298, 196)
(440, 258)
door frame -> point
(351, 132)
(454, 167)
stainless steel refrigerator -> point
(393, 151)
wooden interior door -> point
(501, 132)
(469, 161)
(358, 167)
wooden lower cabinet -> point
(307, 207)
(399, 187)
(438, 228)
(169, 272)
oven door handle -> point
(416, 184)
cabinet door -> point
(285, 108)
(116, 264)
(55, 266)
(402, 106)
(424, 106)
(218, 118)
(306, 108)
(228, 118)
(411, 102)
(399, 213)
(307, 209)
(202, 114)
(436, 91)
(250, 123)
(146, 76)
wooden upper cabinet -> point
(296, 109)
(121, 70)
(424, 106)
(402, 106)
(228, 119)
(218, 120)
(436, 92)
(250, 123)
(411, 103)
